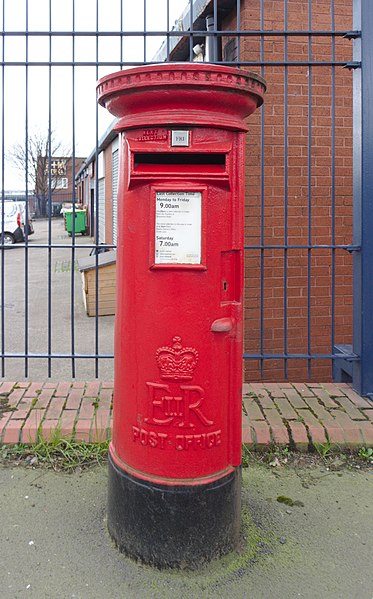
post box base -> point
(173, 526)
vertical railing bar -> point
(309, 265)
(96, 203)
(286, 229)
(333, 183)
(168, 31)
(262, 206)
(49, 147)
(73, 241)
(3, 199)
(238, 16)
(26, 189)
(215, 38)
(362, 288)
(144, 31)
(121, 37)
(191, 31)
(359, 180)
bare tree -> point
(43, 162)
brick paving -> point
(297, 415)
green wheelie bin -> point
(80, 221)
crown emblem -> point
(176, 362)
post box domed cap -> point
(181, 93)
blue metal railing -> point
(178, 44)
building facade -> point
(55, 182)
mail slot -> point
(175, 455)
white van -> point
(22, 208)
(13, 225)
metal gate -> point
(301, 238)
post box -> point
(175, 455)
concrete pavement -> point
(33, 275)
(55, 544)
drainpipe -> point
(213, 42)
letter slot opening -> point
(178, 158)
(172, 162)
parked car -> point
(13, 226)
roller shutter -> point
(101, 210)
(115, 169)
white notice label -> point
(178, 227)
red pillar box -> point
(174, 473)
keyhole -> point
(225, 285)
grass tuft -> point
(57, 453)
(366, 454)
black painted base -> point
(173, 526)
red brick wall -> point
(307, 220)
